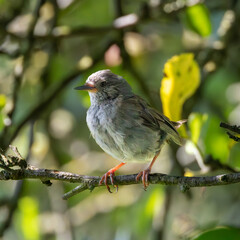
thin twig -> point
(8, 169)
(235, 138)
(233, 131)
(233, 128)
(75, 191)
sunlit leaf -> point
(1, 122)
(154, 202)
(216, 141)
(181, 79)
(2, 104)
(234, 155)
(29, 218)
(198, 19)
(2, 101)
(195, 122)
(146, 213)
(220, 233)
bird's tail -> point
(179, 123)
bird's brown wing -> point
(155, 120)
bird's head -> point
(105, 85)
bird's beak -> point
(87, 87)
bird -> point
(124, 125)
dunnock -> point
(124, 125)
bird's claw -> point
(144, 174)
(105, 178)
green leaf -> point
(216, 85)
(220, 233)
(195, 122)
(145, 215)
(2, 104)
(59, 68)
(198, 19)
(154, 202)
(29, 218)
(234, 156)
(2, 101)
(1, 122)
(215, 139)
(80, 13)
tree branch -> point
(90, 182)
(16, 168)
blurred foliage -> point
(198, 19)
(195, 123)
(220, 233)
(79, 12)
(217, 143)
(2, 104)
(49, 47)
(28, 214)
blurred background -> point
(48, 47)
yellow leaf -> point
(180, 81)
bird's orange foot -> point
(104, 178)
(144, 174)
(111, 174)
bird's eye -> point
(103, 84)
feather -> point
(155, 120)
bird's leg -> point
(146, 172)
(110, 173)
